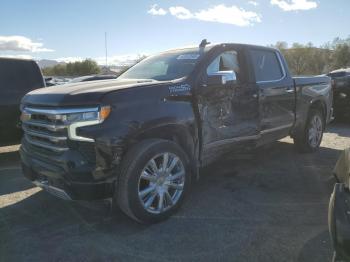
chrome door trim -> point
(263, 132)
(231, 140)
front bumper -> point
(339, 220)
(67, 176)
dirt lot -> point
(271, 206)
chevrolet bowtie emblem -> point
(25, 116)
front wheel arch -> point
(179, 134)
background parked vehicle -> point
(141, 138)
(17, 77)
(49, 81)
(92, 78)
(339, 209)
(341, 85)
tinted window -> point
(266, 65)
(227, 61)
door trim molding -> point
(266, 131)
(230, 140)
(244, 138)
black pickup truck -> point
(17, 77)
(140, 139)
(341, 92)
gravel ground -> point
(269, 206)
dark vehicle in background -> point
(339, 209)
(17, 77)
(341, 96)
(49, 81)
(141, 139)
(92, 78)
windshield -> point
(164, 67)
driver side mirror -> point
(221, 78)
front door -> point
(229, 111)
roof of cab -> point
(216, 45)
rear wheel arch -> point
(320, 106)
(309, 138)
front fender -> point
(142, 114)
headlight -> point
(81, 119)
(97, 116)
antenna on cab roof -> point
(204, 43)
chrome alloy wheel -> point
(315, 131)
(161, 183)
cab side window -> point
(227, 61)
(267, 66)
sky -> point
(72, 30)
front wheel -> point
(153, 181)
(310, 139)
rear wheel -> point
(153, 181)
(310, 139)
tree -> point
(341, 56)
(305, 59)
(86, 67)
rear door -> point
(17, 77)
(276, 93)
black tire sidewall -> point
(134, 173)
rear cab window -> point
(267, 65)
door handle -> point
(255, 95)
(290, 90)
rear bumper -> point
(57, 180)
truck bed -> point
(310, 88)
(311, 80)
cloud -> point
(254, 3)
(18, 56)
(181, 12)
(228, 15)
(70, 59)
(21, 43)
(220, 14)
(294, 5)
(155, 10)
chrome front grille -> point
(52, 129)
(45, 130)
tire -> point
(131, 191)
(303, 142)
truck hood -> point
(82, 94)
